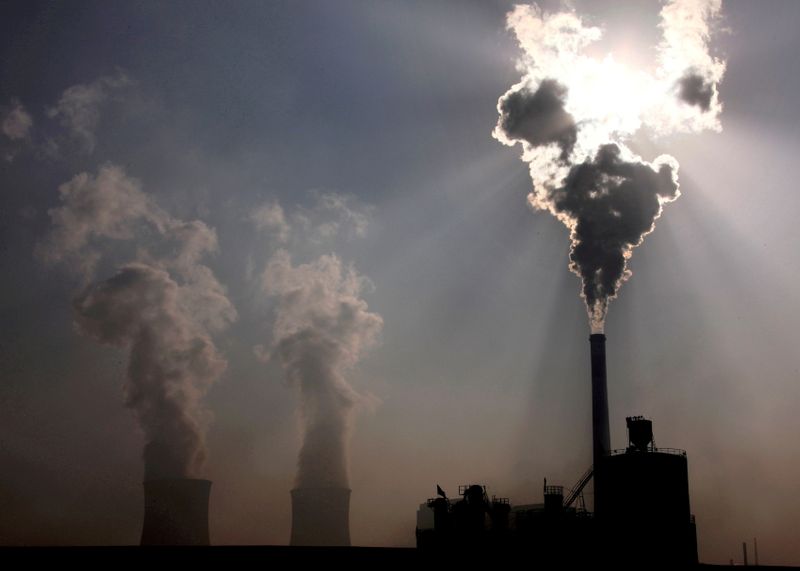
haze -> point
(369, 124)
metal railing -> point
(578, 488)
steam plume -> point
(162, 308)
(16, 122)
(572, 115)
(78, 108)
(322, 329)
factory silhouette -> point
(641, 512)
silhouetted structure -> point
(641, 509)
(472, 522)
(320, 517)
(648, 517)
(176, 512)
(601, 437)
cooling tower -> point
(321, 516)
(176, 512)
(601, 440)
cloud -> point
(16, 122)
(78, 108)
(162, 307)
(322, 329)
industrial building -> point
(641, 512)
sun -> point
(607, 99)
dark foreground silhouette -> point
(383, 557)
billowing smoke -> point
(573, 113)
(78, 108)
(16, 127)
(161, 308)
(322, 329)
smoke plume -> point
(16, 122)
(162, 308)
(572, 114)
(78, 108)
(322, 328)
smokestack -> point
(176, 512)
(600, 432)
(601, 439)
(321, 516)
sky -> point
(256, 146)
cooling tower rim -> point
(320, 488)
(151, 480)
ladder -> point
(578, 488)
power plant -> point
(640, 515)
(641, 512)
(176, 512)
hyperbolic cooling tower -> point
(321, 516)
(176, 512)
(601, 439)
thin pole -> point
(755, 548)
(744, 552)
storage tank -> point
(647, 516)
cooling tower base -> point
(176, 512)
(320, 517)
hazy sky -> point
(221, 111)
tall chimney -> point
(176, 512)
(601, 440)
(321, 516)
